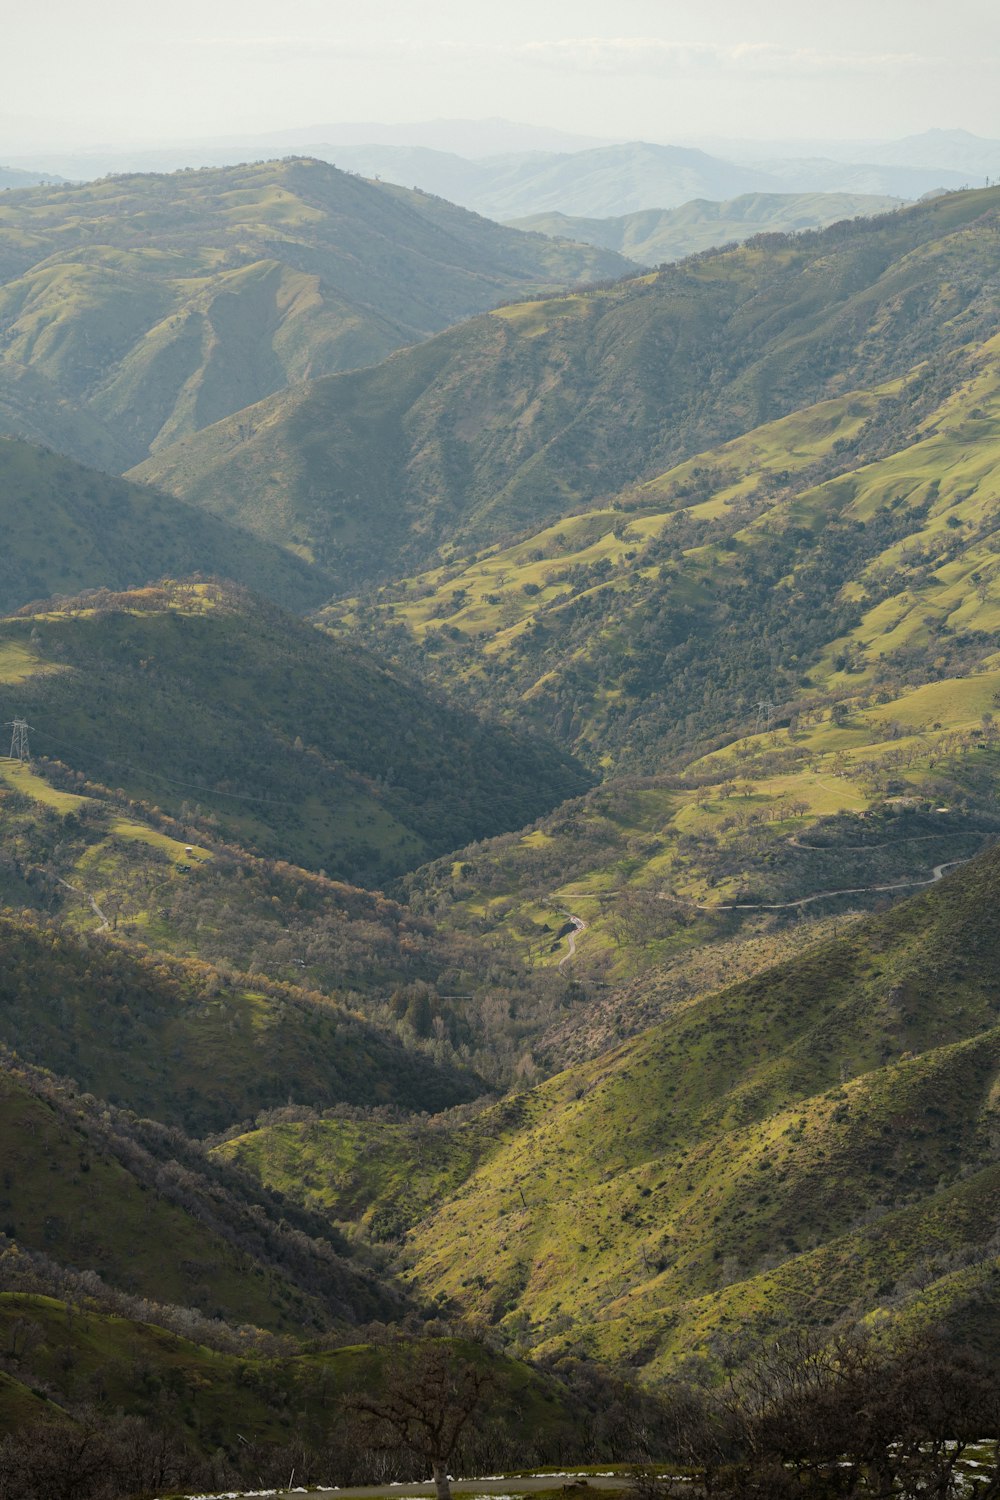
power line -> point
(765, 712)
(19, 739)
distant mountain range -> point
(15, 177)
(468, 137)
(627, 178)
(975, 156)
(658, 235)
(606, 180)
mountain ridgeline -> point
(137, 309)
(654, 235)
(636, 176)
(537, 831)
(539, 409)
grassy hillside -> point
(68, 528)
(267, 938)
(215, 705)
(814, 1143)
(147, 1214)
(655, 235)
(544, 408)
(140, 308)
(839, 565)
(383, 1175)
(183, 1043)
(217, 1401)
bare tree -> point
(428, 1394)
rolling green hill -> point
(878, 507)
(219, 1400)
(140, 308)
(212, 704)
(68, 528)
(812, 1144)
(543, 408)
(655, 235)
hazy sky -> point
(121, 70)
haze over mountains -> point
(627, 178)
(482, 164)
(658, 235)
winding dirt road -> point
(105, 924)
(857, 890)
(579, 925)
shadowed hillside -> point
(67, 528)
(135, 1204)
(183, 1043)
(205, 701)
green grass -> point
(747, 1128)
(19, 776)
(383, 1176)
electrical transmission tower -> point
(19, 739)
(765, 712)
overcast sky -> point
(124, 70)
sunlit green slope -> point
(766, 648)
(546, 408)
(140, 308)
(816, 1142)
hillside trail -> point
(98, 913)
(858, 890)
(579, 925)
(917, 838)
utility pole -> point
(19, 739)
(765, 711)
